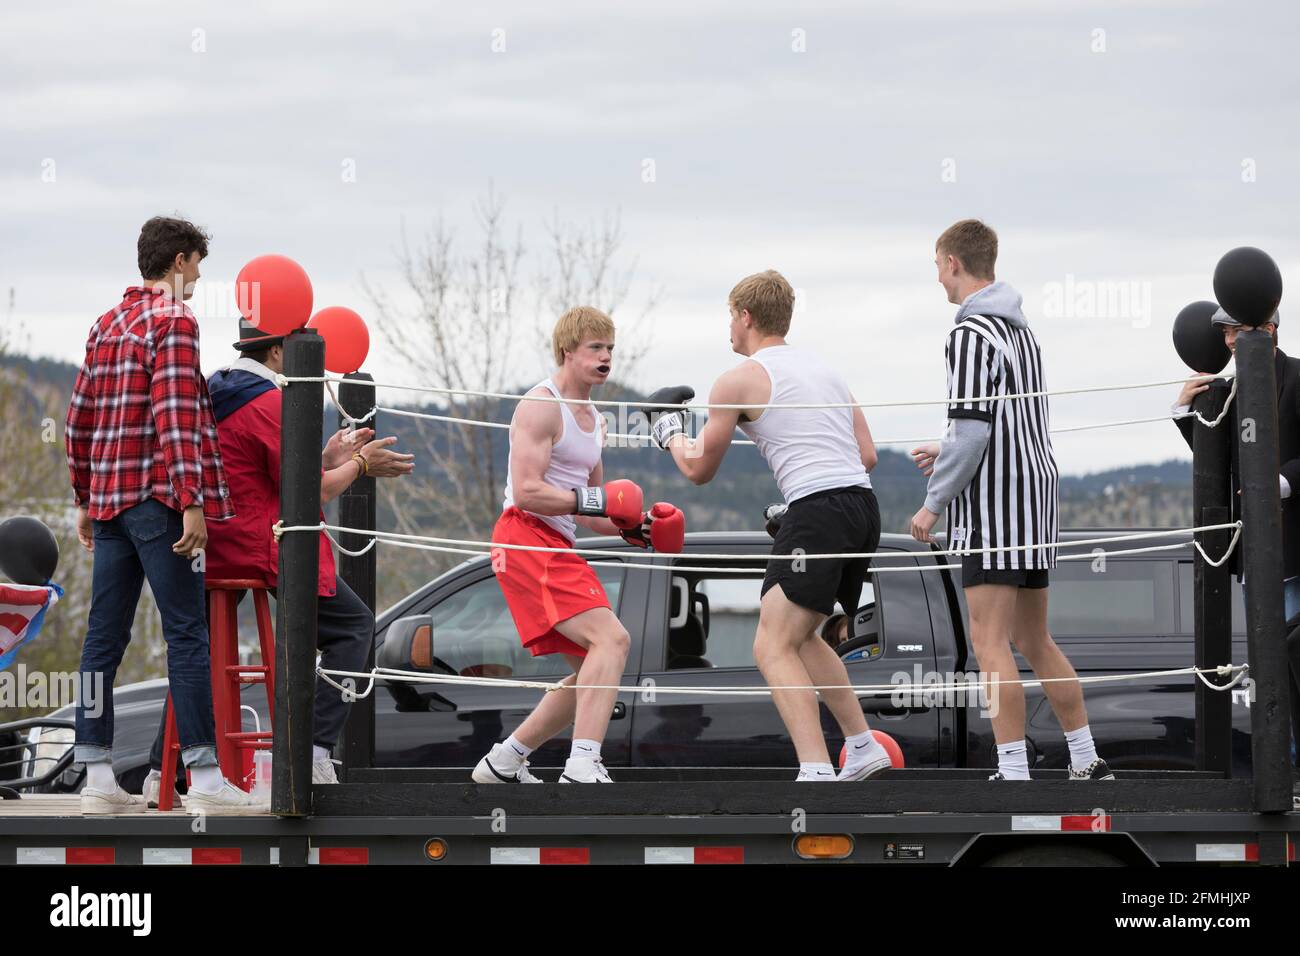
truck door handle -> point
(884, 707)
(620, 711)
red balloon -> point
(889, 743)
(274, 294)
(347, 340)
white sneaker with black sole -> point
(153, 791)
(1097, 770)
(502, 766)
(99, 802)
(322, 771)
(585, 770)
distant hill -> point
(1152, 494)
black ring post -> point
(1211, 505)
(302, 408)
(357, 506)
(1261, 501)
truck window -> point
(1187, 601)
(713, 619)
(1126, 599)
(475, 635)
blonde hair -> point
(768, 297)
(575, 326)
(973, 243)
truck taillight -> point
(835, 846)
(435, 850)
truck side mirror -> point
(408, 645)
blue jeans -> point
(345, 629)
(133, 546)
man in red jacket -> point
(246, 403)
(146, 469)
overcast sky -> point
(1118, 149)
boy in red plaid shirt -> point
(146, 469)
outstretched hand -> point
(925, 456)
(382, 463)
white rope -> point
(329, 387)
(279, 529)
(1235, 671)
(611, 561)
(1227, 403)
(612, 437)
(283, 380)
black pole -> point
(1211, 504)
(1261, 501)
(357, 507)
(295, 632)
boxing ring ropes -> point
(1258, 532)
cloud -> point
(729, 143)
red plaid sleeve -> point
(78, 431)
(177, 404)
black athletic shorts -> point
(836, 521)
(973, 572)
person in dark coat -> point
(1287, 375)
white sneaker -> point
(152, 791)
(497, 766)
(228, 797)
(818, 776)
(322, 771)
(103, 801)
(585, 770)
(873, 761)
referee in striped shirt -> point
(996, 474)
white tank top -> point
(808, 449)
(573, 458)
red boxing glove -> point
(619, 500)
(667, 528)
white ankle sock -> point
(1013, 760)
(319, 753)
(1082, 750)
(585, 750)
(515, 749)
(99, 776)
(206, 779)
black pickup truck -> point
(1128, 614)
(695, 628)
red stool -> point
(235, 746)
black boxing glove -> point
(773, 515)
(667, 422)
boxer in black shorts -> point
(820, 457)
(839, 521)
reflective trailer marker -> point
(690, 855)
(196, 856)
(1072, 823)
(1235, 852)
(533, 855)
(71, 855)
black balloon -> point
(1198, 343)
(28, 552)
(1248, 284)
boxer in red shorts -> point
(553, 485)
